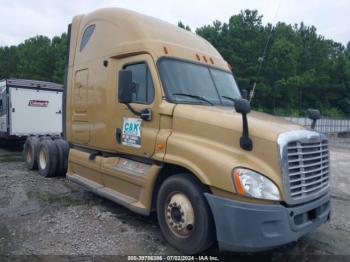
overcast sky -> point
(21, 19)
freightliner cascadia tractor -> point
(154, 121)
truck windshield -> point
(191, 83)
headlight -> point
(252, 184)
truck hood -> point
(212, 121)
(207, 139)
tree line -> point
(294, 67)
(300, 69)
(38, 58)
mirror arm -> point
(132, 109)
(314, 115)
(242, 106)
(145, 114)
(313, 124)
(245, 141)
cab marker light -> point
(198, 57)
(160, 146)
(205, 59)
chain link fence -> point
(337, 130)
(324, 125)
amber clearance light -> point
(236, 173)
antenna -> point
(261, 58)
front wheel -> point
(183, 214)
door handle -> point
(146, 114)
(118, 135)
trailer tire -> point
(45, 138)
(62, 150)
(47, 158)
(30, 152)
(184, 215)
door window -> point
(144, 89)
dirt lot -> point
(53, 216)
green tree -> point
(300, 69)
(35, 59)
(59, 50)
(8, 62)
(186, 27)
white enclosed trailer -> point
(30, 107)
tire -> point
(45, 138)
(47, 158)
(30, 152)
(190, 234)
(62, 150)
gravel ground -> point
(53, 216)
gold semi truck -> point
(154, 121)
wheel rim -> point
(29, 155)
(42, 159)
(179, 214)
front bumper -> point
(247, 227)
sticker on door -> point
(131, 135)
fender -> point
(212, 162)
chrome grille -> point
(305, 165)
(308, 167)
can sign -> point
(131, 135)
(38, 103)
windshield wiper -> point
(230, 98)
(194, 96)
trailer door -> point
(35, 112)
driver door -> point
(135, 136)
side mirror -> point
(125, 90)
(125, 86)
(314, 115)
(242, 106)
(245, 94)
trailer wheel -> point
(62, 150)
(183, 214)
(47, 158)
(30, 152)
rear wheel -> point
(30, 152)
(184, 215)
(62, 150)
(47, 158)
(45, 138)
